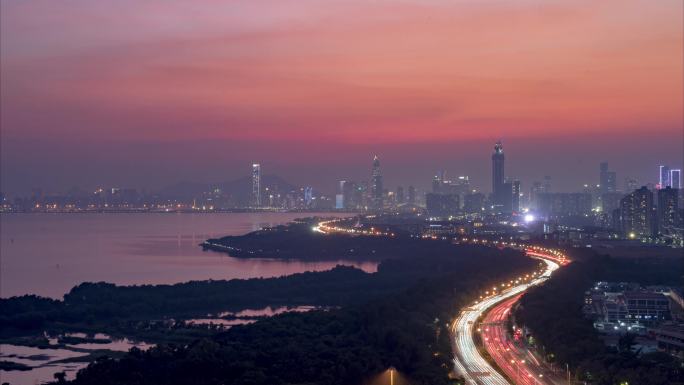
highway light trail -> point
(520, 365)
(468, 361)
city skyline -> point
(147, 101)
(618, 182)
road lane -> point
(468, 361)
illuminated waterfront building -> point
(376, 185)
(256, 185)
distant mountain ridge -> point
(239, 189)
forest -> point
(403, 326)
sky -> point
(145, 94)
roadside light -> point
(391, 373)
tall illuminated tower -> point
(497, 169)
(256, 184)
(376, 185)
(501, 196)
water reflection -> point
(45, 362)
(48, 254)
(226, 319)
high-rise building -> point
(438, 182)
(663, 176)
(668, 209)
(515, 185)
(535, 190)
(547, 184)
(559, 205)
(308, 196)
(502, 193)
(505, 204)
(411, 195)
(607, 179)
(636, 213)
(473, 203)
(339, 197)
(603, 176)
(498, 160)
(361, 196)
(675, 179)
(401, 199)
(350, 195)
(459, 186)
(256, 185)
(442, 205)
(376, 185)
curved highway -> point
(520, 365)
(468, 361)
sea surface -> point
(48, 254)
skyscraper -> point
(473, 203)
(502, 193)
(308, 196)
(516, 195)
(664, 176)
(256, 185)
(603, 176)
(607, 179)
(547, 184)
(436, 184)
(636, 213)
(442, 205)
(497, 169)
(376, 185)
(339, 197)
(675, 179)
(411, 195)
(668, 209)
(349, 194)
(535, 190)
(401, 199)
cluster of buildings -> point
(371, 195)
(652, 213)
(654, 314)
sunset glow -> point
(149, 77)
